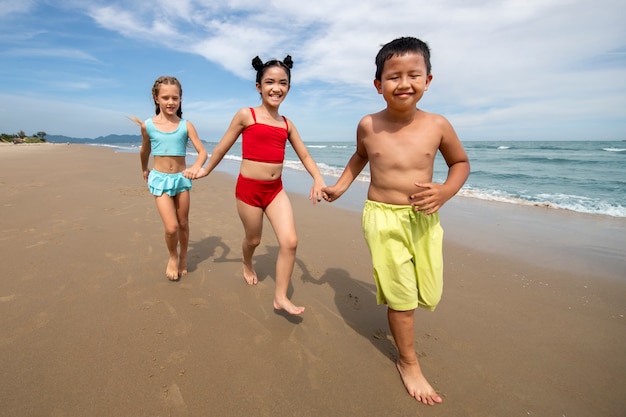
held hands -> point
(317, 191)
(430, 199)
(331, 193)
(194, 173)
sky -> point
(502, 69)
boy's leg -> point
(401, 324)
(280, 215)
(182, 203)
(167, 211)
(252, 220)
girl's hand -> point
(146, 173)
(317, 193)
(136, 120)
(194, 174)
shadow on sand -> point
(356, 303)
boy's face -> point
(403, 80)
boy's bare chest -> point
(401, 146)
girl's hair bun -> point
(288, 62)
(257, 64)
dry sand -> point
(531, 323)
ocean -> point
(580, 176)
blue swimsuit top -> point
(168, 143)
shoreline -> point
(91, 326)
(596, 244)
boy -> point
(400, 219)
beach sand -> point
(531, 322)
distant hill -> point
(99, 139)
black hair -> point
(399, 47)
(157, 86)
(261, 67)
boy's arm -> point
(351, 171)
(436, 195)
(353, 168)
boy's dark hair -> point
(399, 47)
(261, 67)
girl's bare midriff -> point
(169, 164)
(264, 171)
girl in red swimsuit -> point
(259, 187)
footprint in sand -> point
(199, 302)
(173, 399)
(177, 357)
(353, 301)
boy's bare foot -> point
(416, 384)
(182, 266)
(171, 271)
(288, 306)
(249, 274)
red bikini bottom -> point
(257, 193)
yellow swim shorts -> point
(407, 255)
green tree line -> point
(21, 137)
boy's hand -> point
(331, 193)
(430, 199)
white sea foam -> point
(586, 177)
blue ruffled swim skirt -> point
(170, 184)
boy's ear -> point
(429, 78)
(378, 86)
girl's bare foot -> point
(416, 384)
(182, 266)
(171, 271)
(249, 274)
(288, 306)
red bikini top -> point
(264, 143)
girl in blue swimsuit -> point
(166, 136)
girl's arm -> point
(197, 143)
(144, 152)
(316, 193)
(230, 137)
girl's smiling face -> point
(168, 99)
(274, 86)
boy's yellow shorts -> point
(407, 255)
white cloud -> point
(495, 63)
(63, 53)
(9, 7)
